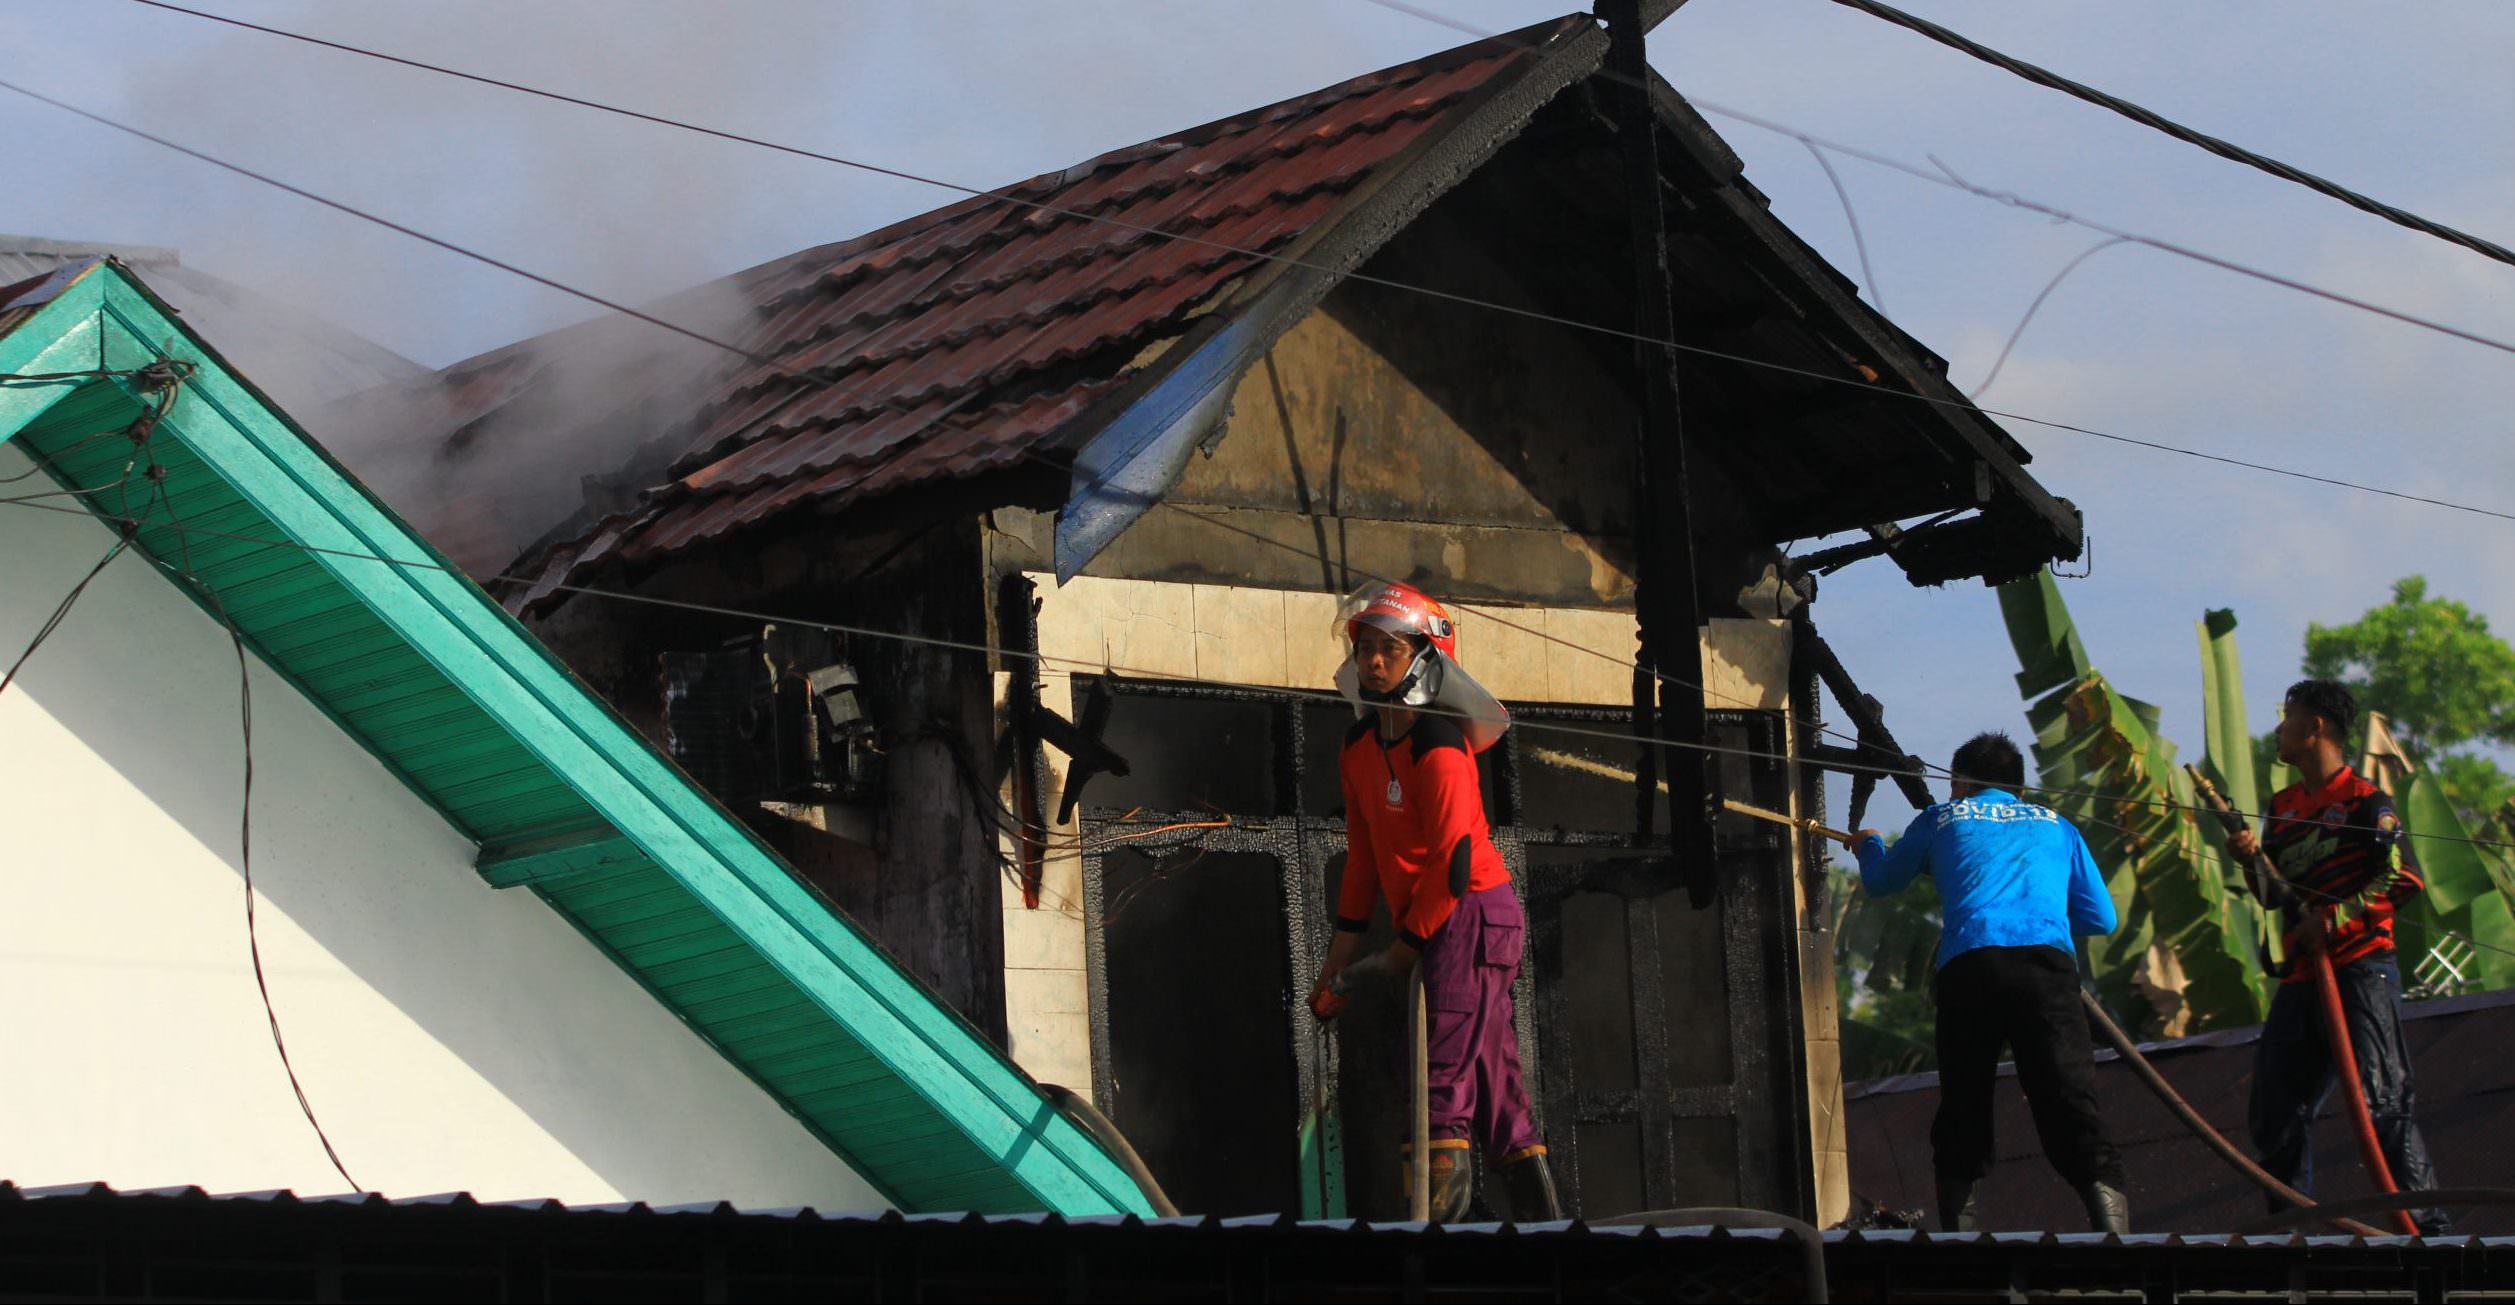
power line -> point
(1087, 666)
(1017, 829)
(1940, 174)
(183, 531)
(738, 351)
(1810, 140)
(760, 360)
(1813, 142)
(244, 837)
(698, 336)
(61, 610)
(2037, 306)
(387, 223)
(2158, 122)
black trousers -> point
(2024, 998)
(2293, 1077)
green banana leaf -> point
(2103, 764)
(1888, 942)
(2230, 763)
(2462, 919)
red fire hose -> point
(2345, 1063)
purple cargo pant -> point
(1472, 1044)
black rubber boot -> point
(1529, 1184)
(1956, 1206)
(1453, 1177)
(2108, 1208)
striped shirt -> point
(2342, 847)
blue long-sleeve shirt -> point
(2010, 874)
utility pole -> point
(1668, 704)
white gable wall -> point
(451, 1036)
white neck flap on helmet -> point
(1437, 684)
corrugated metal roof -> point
(182, 1243)
(485, 725)
(726, 1210)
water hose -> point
(2318, 962)
(1087, 1117)
(2182, 1109)
(2345, 1060)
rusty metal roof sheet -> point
(957, 343)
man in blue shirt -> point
(2017, 889)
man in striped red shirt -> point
(2345, 865)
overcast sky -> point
(2412, 103)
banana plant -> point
(2103, 764)
(2459, 935)
(1882, 946)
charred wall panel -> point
(928, 887)
(1200, 1026)
(1660, 1041)
(1669, 1035)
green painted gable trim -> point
(480, 720)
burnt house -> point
(994, 585)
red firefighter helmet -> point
(1435, 679)
(1401, 610)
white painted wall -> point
(451, 1036)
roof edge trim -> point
(1147, 429)
(307, 497)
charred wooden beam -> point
(1877, 750)
(1669, 702)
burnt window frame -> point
(1305, 845)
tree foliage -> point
(2429, 664)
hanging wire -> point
(1939, 174)
(244, 820)
(1552, 727)
(2153, 120)
(1089, 666)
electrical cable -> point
(1851, 218)
(1010, 196)
(1087, 666)
(61, 610)
(1811, 142)
(1018, 827)
(2158, 122)
(244, 833)
(1939, 174)
(127, 527)
(169, 381)
(2037, 306)
(1957, 403)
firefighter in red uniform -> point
(1415, 825)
